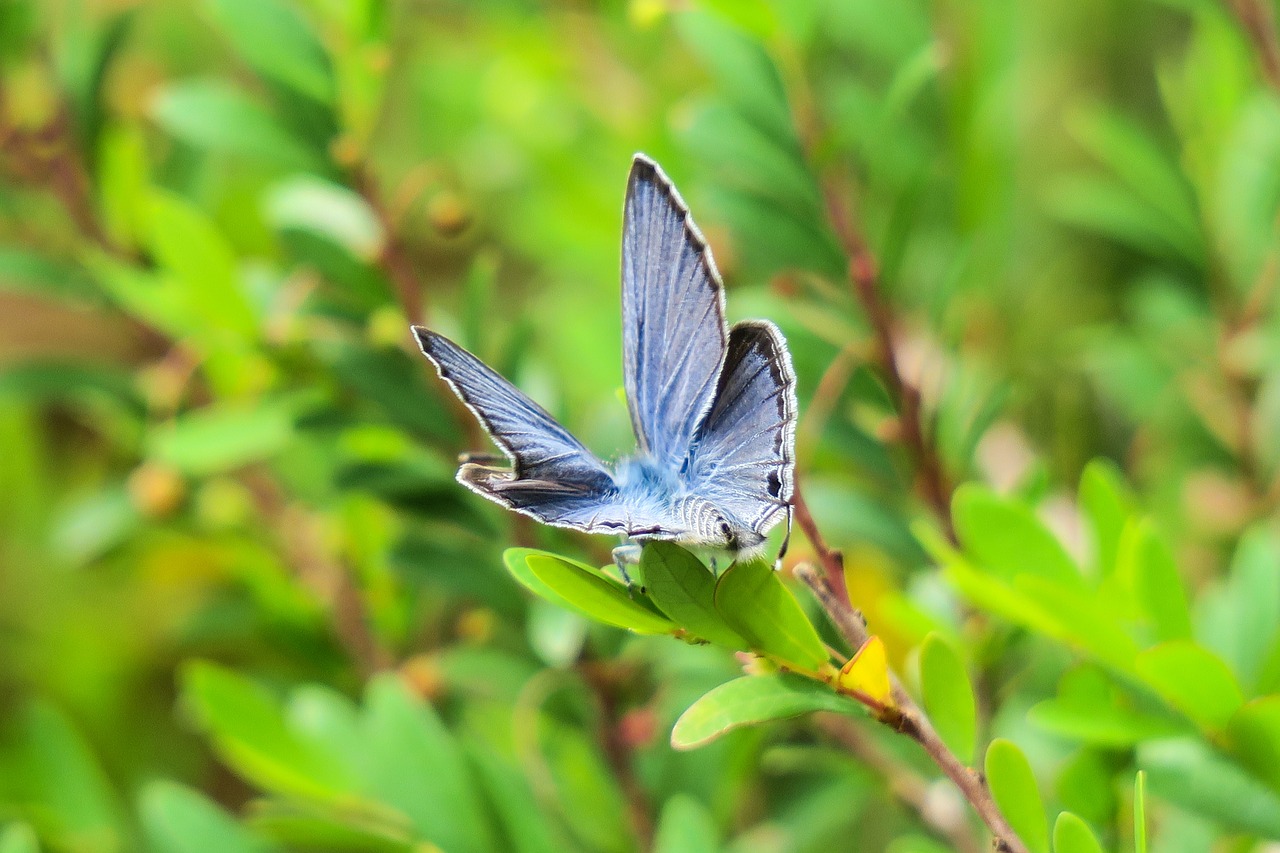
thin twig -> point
(912, 722)
(394, 257)
(831, 559)
(864, 278)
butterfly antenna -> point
(786, 541)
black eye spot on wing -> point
(774, 484)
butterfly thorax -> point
(651, 487)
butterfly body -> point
(713, 407)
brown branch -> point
(1259, 23)
(931, 478)
(832, 560)
(48, 156)
(394, 257)
(911, 721)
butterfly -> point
(713, 407)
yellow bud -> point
(867, 673)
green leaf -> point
(1150, 173)
(224, 436)
(1189, 774)
(1005, 538)
(1254, 738)
(189, 246)
(24, 270)
(1073, 835)
(1014, 788)
(214, 116)
(601, 598)
(19, 838)
(682, 587)
(415, 765)
(1105, 499)
(303, 826)
(751, 700)
(329, 210)
(1146, 563)
(527, 830)
(517, 563)
(51, 765)
(124, 183)
(592, 802)
(685, 826)
(948, 696)
(277, 43)
(1140, 812)
(1091, 710)
(249, 733)
(753, 600)
(1241, 618)
(744, 71)
(1194, 680)
(177, 819)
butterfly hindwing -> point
(743, 456)
(674, 332)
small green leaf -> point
(214, 116)
(751, 700)
(177, 819)
(1140, 812)
(754, 601)
(1188, 773)
(1145, 561)
(948, 696)
(221, 437)
(277, 43)
(684, 589)
(1254, 737)
(685, 826)
(1006, 538)
(527, 830)
(249, 733)
(1194, 680)
(187, 243)
(1014, 788)
(1105, 499)
(51, 765)
(1073, 835)
(299, 825)
(1089, 709)
(517, 563)
(601, 598)
(415, 765)
(19, 838)
(334, 212)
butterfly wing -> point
(552, 477)
(743, 457)
(674, 332)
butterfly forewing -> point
(743, 456)
(673, 325)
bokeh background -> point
(244, 606)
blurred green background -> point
(244, 606)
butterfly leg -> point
(786, 540)
(626, 555)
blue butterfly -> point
(713, 408)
